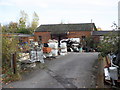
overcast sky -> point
(102, 12)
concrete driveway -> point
(75, 70)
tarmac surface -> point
(74, 70)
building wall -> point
(45, 36)
(22, 39)
(79, 34)
(75, 34)
(96, 39)
(27, 39)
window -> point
(40, 39)
(83, 37)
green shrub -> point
(109, 44)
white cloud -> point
(5, 4)
(64, 3)
(53, 11)
(30, 3)
(99, 2)
(25, 3)
(84, 2)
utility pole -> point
(91, 20)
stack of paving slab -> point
(24, 56)
(63, 49)
(36, 53)
(37, 56)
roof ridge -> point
(67, 24)
(67, 27)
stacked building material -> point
(47, 49)
(73, 44)
(36, 53)
(37, 56)
(24, 56)
(54, 45)
(63, 48)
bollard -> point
(14, 63)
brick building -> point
(99, 35)
(21, 37)
(62, 31)
(26, 38)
